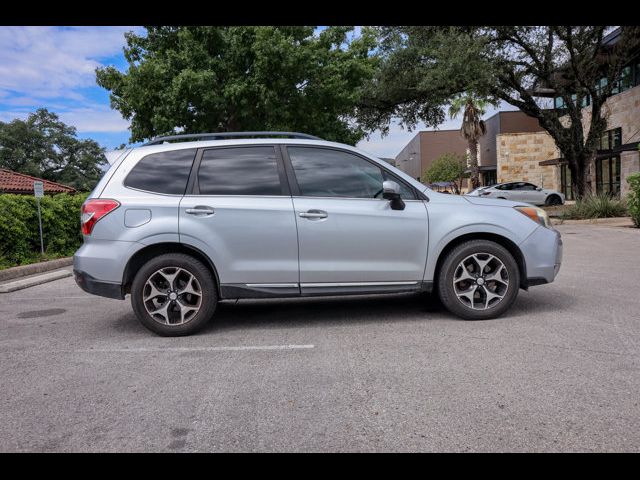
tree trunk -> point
(473, 164)
(579, 167)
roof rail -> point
(222, 135)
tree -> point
(519, 65)
(448, 167)
(203, 79)
(44, 146)
(472, 128)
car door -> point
(349, 238)
(239, 212)
(525, 192)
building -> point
(14, 182)
(535, 158)
(516, 148)
(426, 146)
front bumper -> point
(542, 251)
(97, 287)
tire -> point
(185, 312)
(494, 297)
(554, 200)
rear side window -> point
(164, 172)
(239, 171)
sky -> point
(54, 68)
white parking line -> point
(195, 349)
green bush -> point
(633, 198)
(595, 206)
(19, 235)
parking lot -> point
(560, 372)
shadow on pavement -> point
(350, 310)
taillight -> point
(93, 210)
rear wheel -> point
(174, 295)
(554, 200)
(478, 280)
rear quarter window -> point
(163, 172)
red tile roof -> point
(14, 182)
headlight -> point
(536, 214)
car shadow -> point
(278, 313)
(343, 310)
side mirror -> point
(391, 192)
(539, 189)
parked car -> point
(181, 226)
(521, 192)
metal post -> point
(40, 225)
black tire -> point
(208, 302)
(554, 200)
(448, 269)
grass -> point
(594, 206)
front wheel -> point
(174, 295)
(478, 280)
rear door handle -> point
(200, 210)
(314, 214)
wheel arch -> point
(499, 239)
(150, 251)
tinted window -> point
(165, 172)
(324, 172)
(527, 186)
(239, 171)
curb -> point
(25, 270)
(606, 222)
(33, 281)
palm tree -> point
(472, 128)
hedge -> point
(19, 235)
(633, 197)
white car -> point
(520, 192)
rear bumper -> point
(97, 287)
(542, 251)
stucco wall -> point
(409, 158)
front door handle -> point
(200, 210)
(314, 214)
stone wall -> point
(519, 154)
(621, 111)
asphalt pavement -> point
(559, 372)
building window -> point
(611, 139)
(565, 180)
(489, 178)
(608, 176)
(626, 79)
(600, 84)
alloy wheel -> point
(481, 281)
(172, 296)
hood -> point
(491, 202)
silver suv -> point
(182, 225)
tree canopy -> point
(44, 146)
(424, 68)
(448, 167)
(203, 79)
